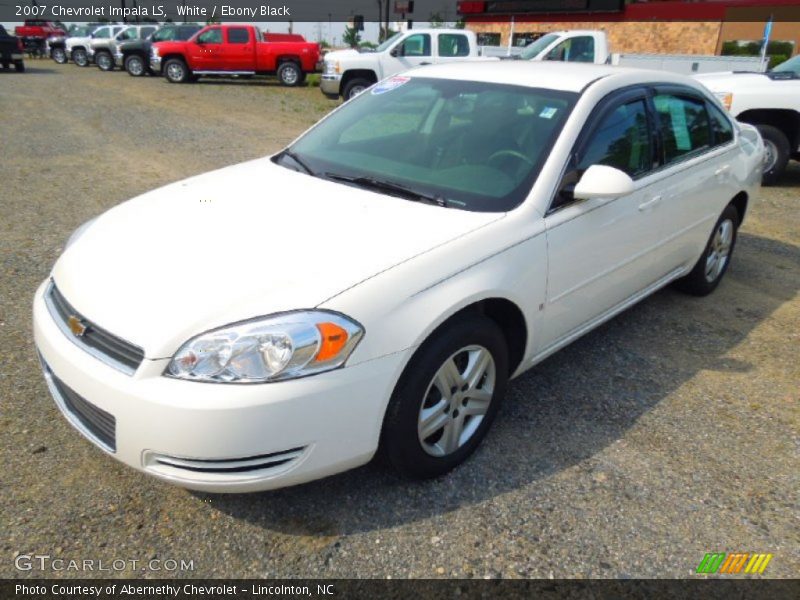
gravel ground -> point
(667, 433)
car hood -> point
(731, 81)
(241, 242)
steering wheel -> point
(511, 154)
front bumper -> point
(119, 59)
(330, 84)
(222, 437)
(155, 64)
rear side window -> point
(684, 125)
(577, 49)
(238, 35)
(453, 44)
(721, 126)
(621, 140)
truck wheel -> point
(60, 55)
(777, 155)
(134, 65)
(104, 61)
(354, 87)
(79, 57)
(6, 66)
(289, 74)
(19, 66)
(176, 71)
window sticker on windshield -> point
(390, 84)
(548, 112)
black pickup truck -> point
(134, 55)
(11, 51)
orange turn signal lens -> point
(333, 340)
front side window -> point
(453, 44)
(476, 146)
(101, 33)
(212, 36)
(621, 140)
(684, 125)
(164, 35)
(146, 32)
(416, 45)
(577, 49)
(534, 49)
(238, 35)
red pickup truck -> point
(235, 50)
(34, 34)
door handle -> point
(422, 64)
(650, 203)
(722, 171)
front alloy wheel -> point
(447, 397)
(134, 65)
(79, 57)
(104, 61)
(59, 55)
(176, 71)
(456, 401)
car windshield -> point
(790, 66)
(464, 144)
(387, 43)
(531, 50)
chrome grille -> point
(94, 422)
(99, 343)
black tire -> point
(698, 282)
(290, 74)
(80, 58)
(6, 66)
(59, 55)
(778, 151)
(104, 61)
(176, 71)
(19, 66)
(135, 65)
(416, 391)
(354, 87)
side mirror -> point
(396, 51)
(601, 181)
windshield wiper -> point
(299, 161)
(395, 189)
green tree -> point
(351, 37)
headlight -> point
(274, 348)
(79, 232)
(725, 98)
(154, 52)
(329, 68)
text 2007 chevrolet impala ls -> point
(377, 283)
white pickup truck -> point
(771, 102)
(347, 73)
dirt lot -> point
(669, 432)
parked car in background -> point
(34, 34)
(234, 50)
(134, 55)
(79, 48)
(105, 51)
(347, 73)
(436, 236)
(56, 44)
(11, 50)
(771, 102)
(101, 51)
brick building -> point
(659, 26)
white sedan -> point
(375, 285)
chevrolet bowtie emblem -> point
(76, 326)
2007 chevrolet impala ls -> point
(377, 283)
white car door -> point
(412, 51)
(698, 149)
(600, 250)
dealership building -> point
(658, 26)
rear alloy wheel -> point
(79, 57)
(176, 71)
(105, 61)
(59, 55)
(134, 65)
(289, 74)
(709, 269)
(776, 156)
(447, 398)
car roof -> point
(563, 76)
